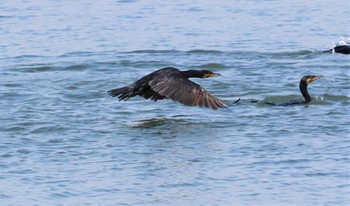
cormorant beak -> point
(211, 75)
(313, 78)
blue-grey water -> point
(64, 141)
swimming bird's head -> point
(310, 78)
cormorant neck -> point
(192, 74)
(303, 90)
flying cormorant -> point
(173, 84)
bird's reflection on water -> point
(170, 127)
(153, 122)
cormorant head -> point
(303, 85)
(310, 78)
(207, 74)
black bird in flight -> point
(171, 83)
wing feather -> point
(180, 89)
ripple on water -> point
(212, 66)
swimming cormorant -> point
(174, 84)
(343, 49)
(303, 89)
(342, 46)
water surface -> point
(66, 142)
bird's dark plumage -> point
(303, 89)
(174, 84)
(342, 49)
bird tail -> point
(123, 93)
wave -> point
(150, 51)
(80, 53)
(212, 66)
(272, 54)
(5, 17)
(49, 68)
(34, 68)
(203, 51)
(27, 56)
(279, 54)
(80, 61)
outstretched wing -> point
(150, 94)
(181, 89)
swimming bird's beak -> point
(313, 78)
(212, 75)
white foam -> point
(343, 41)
